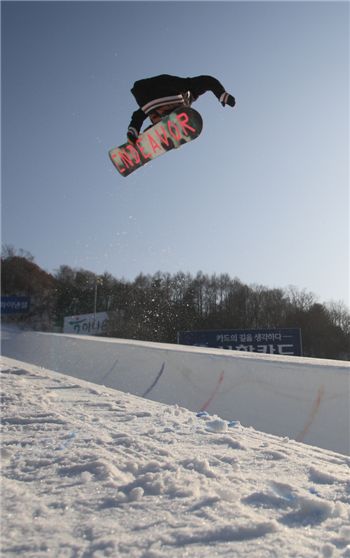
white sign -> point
(86, 324)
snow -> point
(89, 471)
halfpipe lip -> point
(215, 353)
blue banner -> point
(15, 304)
(285, 341)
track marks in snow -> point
(223, 534)
(297, 510)
(34, 420)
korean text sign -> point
(15, 304)
(86, 324)
(284, 341)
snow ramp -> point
(300, 398)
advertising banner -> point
(86, 324)
(284, 341)
(15, 304)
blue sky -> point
(262, 194)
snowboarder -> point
(160, 95)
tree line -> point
(155, 307)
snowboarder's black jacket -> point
(170, 91)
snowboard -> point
(181, 126)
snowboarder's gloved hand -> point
(132, 134)
(227, 99)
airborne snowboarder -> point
(160, 95)
(166, 100)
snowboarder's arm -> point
(201, 84)
(135, 125)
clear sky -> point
(262, 194)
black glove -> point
(227, 99)
(132, 134)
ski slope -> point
(89, 471)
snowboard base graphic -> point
(177, 128)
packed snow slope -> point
(91, 472)
(304, 399)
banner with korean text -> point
(284, 341)
(15, 304)
(86, 324)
